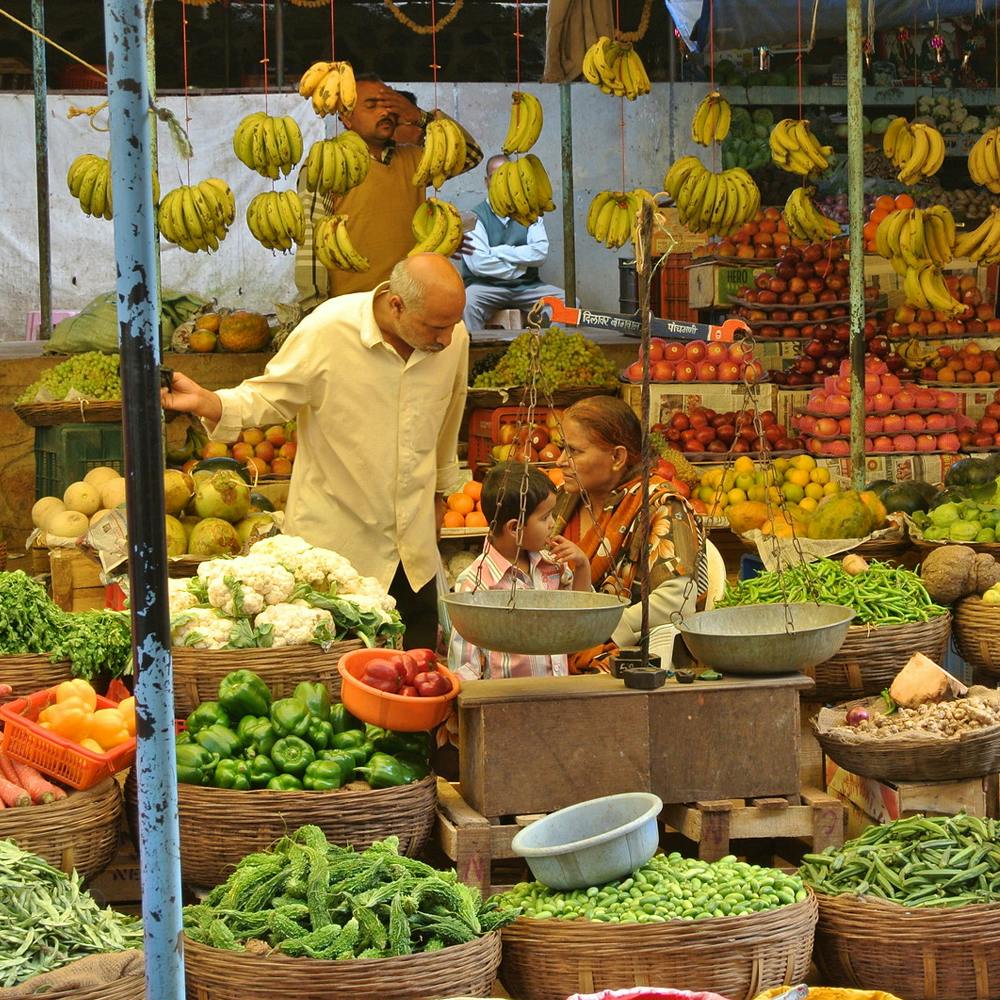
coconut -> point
(68, 524)
(213, 537)
(177, 490)
(176, 536)
(223, 495)
(189, 521)
(113, 493)
(82, 497)
(99, 476)
(45, 509)
(253, 526)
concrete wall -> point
(656, 130)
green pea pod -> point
(385, 771)
(342, 720)
(290, 717)
(316, 698)
(219, 740)
(244, 693)
(208, 713)
(322, 776)
(292, 755)
(232, 774)
(285, 783)
(195, 764)
(344, 759)
(319, 733)
(262, 770)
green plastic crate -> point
(65, 453)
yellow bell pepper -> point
(69, 719)
(107, 727)
(93, 745)
(126, 709)
(77, 688)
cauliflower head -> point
(201, 628)
(323, 569)
(296, 624)
(244, 586)
(181, 597)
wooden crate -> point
(588, 736)
(712, 825)
(717, 284)
(76, 580)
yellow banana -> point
(525, 123)
(678, 172)
(542, 183)
(436, 231)
(312, 77)
(711, 120)
(348, 88)
(890, 140)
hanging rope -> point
(264, 62)
(333, 33)
(621, 100)
(798, 54)
(55, 45)
(184, 50)
(422, 29)
(640, 31)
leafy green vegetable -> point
(350, 618)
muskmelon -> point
(243, 331)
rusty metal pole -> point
(568, 219)
(39, 78)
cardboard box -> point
(717, 284)
(119, 882)
(76, 580)
(665, 397)
(674, 237)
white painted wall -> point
(244, 273)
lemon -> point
(706, 494)
(769, 477)
(792, 491)
(757, 494)
(804, 462)
(711, 477)
(814, 491)
(729, 480)
(736, 496)
(830, 488)
(781, 465)
(743, 465)
(774, 494)
(809, 503)
(820, 475)
(797, 477)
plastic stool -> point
(750, 566)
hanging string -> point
(517, 43)
(184, 52)
(434, 50)
(798, 54)
(264, 62)
(54, 44)
(621, 100)
(711, 60)
(916, 78)
(333, 44)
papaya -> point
(877, 508)
(244, 331)
(843, 515)
(746, 515)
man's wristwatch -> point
(426, 117)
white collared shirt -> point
(506, 262)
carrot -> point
(6, 690)
(7, 768)
(13, 795)
(40, 790)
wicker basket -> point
(80, 831)
(463, 969)
(3, 556)
(197, 672)
(943, 953)
(885, 549)
(735, 956)
(81, 411)
(870, 657)
(972, 755)
(31, 672)
(977, 634)
(220, 826)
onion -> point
(857, 715)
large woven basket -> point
(933, 953)
(197, 672)
(735, 956)
(972, 755)
(81, 411)
(870, 657)
(461, 970)
(221, 826)
(31, 672)
(977, 634)
(80, 831)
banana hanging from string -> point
(89, 181)
(334, 249)
(334, 166)
(276, 219)
(910, 238)
(330, 86)
(437, 228)
(916, 150)
(613, 215)
(925, 288)
(794, 148)
(716, 204)
(805, 220)
(271, 146)
(982, 245)
(197, 217)
(444, 153)
(984, 160)
(525, 123)
(711, 120)
(521, 190)
(616, 68)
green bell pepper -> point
(316, 698)
(290, 717)
(292, 755)
(262, 770)
(244, 693)
(195, 764)
(258, 734)
(232, 774)
(319, 733)
(246, 727)
(342, 720)
(208, 713)
(285, 783)
(182, 737)
(418, 765)
(322, 776)
(344, 759)
(219, 739)
(347, 739)
(385, 771)
(388, 741)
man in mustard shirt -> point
(380, 209)
(377, 382)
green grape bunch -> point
(564, 360)
(91, 375)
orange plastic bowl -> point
(391, 711)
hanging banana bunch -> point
(613, 215)
(276, 219)
(525, 123)
(271, 146)
(444, 153)
(916, 150)
(910, 238)
(334, 166)
(794, 148)
(89, 181)
(437, 228)
(334, 249)
(982, 245)
(805, 220)
(331, 86)
(616, 68)
(716, 204)
(711, 120)
(984, 160)
(521, 190)
(197, 216)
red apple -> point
(915, 423)
(674, 351)
(882, 444)
(946, 400)
(904, 399)
(686, 372)
(948, 442)
(663, 371)
(717, 352)
(707, 372)
(827, 427)
(873, 425)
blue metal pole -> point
(139, 326)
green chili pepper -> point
(319, 733)
(285, 783)
(322, 776)
(290, 717)
(344, 759)
(244, 693)
(219, 739)
(342, 720)
(316, 698)
(385, 771)
(208, 713)
(195, 764)
(292, 755)
(232, 774)
(262, 770)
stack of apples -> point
(703, 430)
(899, 417)
(264, 451)
(696, 361)
(535, 442)
(762, 238)
(970, 364)
(986, 433)
(979, 317)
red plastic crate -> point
(25, 740)
(485, 425)
(671, 290)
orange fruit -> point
(886, 202)
(878, 215)
(556, 475)
(473, 488)
(452, 519)
(461, 502)
(477, 519)
(904, 201)
(982, 376)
